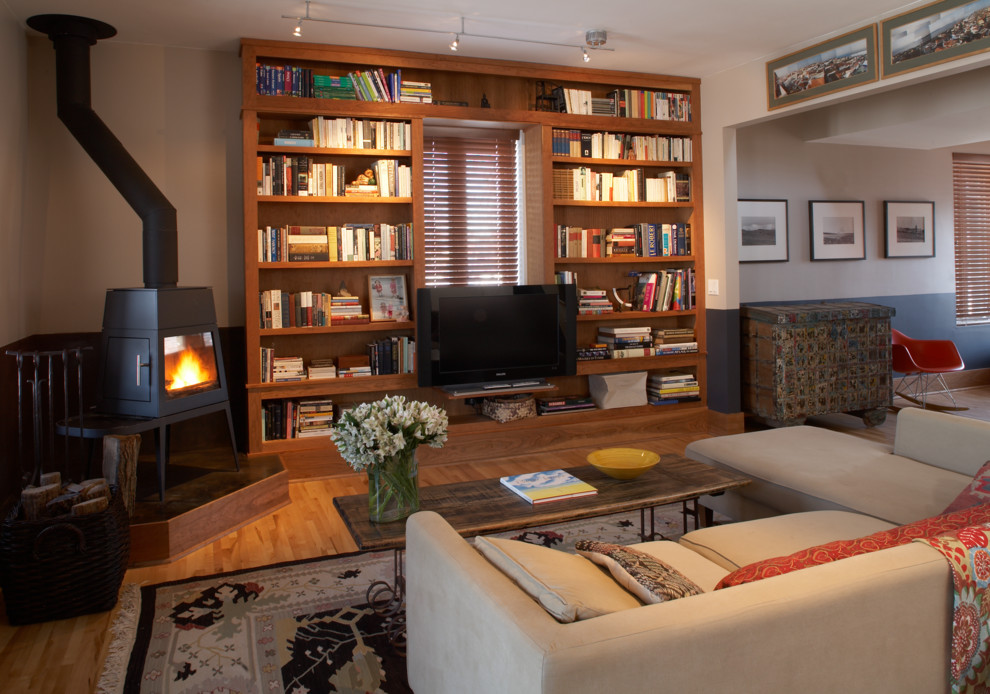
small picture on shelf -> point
(388, 299)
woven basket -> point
(63, 567)
(509, 408)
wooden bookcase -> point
(511, 88)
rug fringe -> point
(123, 628)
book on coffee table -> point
(550, 485)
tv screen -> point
(495, 334)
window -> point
(471, 201)
(971, 208)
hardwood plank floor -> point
(67, 656)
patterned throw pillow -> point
(976, 492)
(646, 577)
(840, 549)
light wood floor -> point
(66, 656)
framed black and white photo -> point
(387, 298)
(762, 231)
(909, 229)
(837, 229)
(935, 33)
(839, 63)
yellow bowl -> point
(623, 463)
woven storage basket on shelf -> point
(63, 567)
(509, 408)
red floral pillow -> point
(840, 549)
(976, 492)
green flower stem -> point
(393, 487)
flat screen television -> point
(495, 334)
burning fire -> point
(189, 371)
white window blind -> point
(971, 209)
(470, 189)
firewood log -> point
(50, 478)
(92, 506)
(35, 499)
(120, 454)
(94, 491)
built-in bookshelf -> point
(318, 119)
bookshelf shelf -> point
(511, 88)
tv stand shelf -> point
(495, 392)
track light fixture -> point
(594, 38)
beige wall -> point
(176, 111)
(14, 264)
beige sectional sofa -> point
(878, 622)
(806, 468)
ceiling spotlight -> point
(584, 54)
(455, 43)
(298, 30)
(595, 38)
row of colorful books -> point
(604, 145)
(392, 355)
(664, 290)
(644, 240)
(302, 175)
(293, 419)
(632, 185)
(642, 341)
(626, 103)
(302, 243)
(373, 84)
(306, 309)
(360, 133)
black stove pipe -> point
(72, 36)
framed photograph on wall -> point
(840, 63)
(935, 33)
(908, 229)
(837, 229)
(762, 231)
(388, 299)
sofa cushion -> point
(648, 578)
(567, 586)
(735, 545)
(806, 468)
(841, 549)
(706, 574)
(976, 492)
(942, 439)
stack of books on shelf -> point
(314, 417)
(346, 310)
(333, 87)
(321, 368)
(354, 365)
(306, 244)
(593, 302)
(562, 405)
(416, 92)
(672, 387)
(287, 369)
(283, 80)
(603, 145)
(360, 133)
(305, 309)
(674, 341)
(294, 138)
(625, 342)
(392, 355)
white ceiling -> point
(693, 38)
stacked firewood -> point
(51, 498)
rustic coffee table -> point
(485, 506)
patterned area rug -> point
(300, 627)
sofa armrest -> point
(824, 629)
(948, 441)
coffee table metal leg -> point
(643, 535)
(388, 601)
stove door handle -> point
(137, 370)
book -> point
(550, 485)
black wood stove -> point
(161, 361)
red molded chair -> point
(923, 362)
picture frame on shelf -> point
(388, 298)
(908, 229)
(837, 229)
(914, 39)
(763, 231)
(840, 63)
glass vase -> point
(393, 488)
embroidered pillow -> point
(840, 549)
(976, 492)
(569, 587)
(646, 577)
